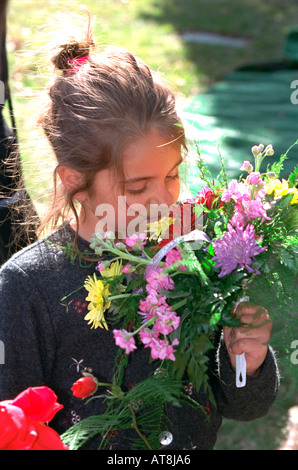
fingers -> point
(252, 327)
(255, 353)
(250, 341)
(257, 325)
(252, 337)
(253, 317)
(249, 309)
(251, 346)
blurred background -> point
(233, 65)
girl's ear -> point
(72, 179)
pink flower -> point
(254, 178)
(126, 269)
(257, 150)
(152, 300)
(167, 322)
(125, 340)
(157, 280)
(136, 241)
(174, 256)
(246, 166)
(237, 191)
(255, 210)
(147, 335)
(238, 218)
(161, 349)
(101, 267)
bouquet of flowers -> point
(173, 288)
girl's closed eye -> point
(136, 191)
(142, 190)
(173, 177)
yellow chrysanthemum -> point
(115, 269)
(277, 187)
(295, 197)
(281, 188)
(97, 295)
(159, 228)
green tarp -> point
(255, 104)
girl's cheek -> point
(175, 190)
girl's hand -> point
(251, 338)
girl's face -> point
(151, 181)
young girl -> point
(114, 129)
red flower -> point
(184, 221)
(185, 218)
(209, 198)
(22, 421)
(84, 387)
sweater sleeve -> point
(26, 333)
(255, 398)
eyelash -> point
(141, 191)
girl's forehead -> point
(151, 154)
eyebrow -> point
(142, 178)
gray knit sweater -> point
(48, 342)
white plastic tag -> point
(240, 358)
(240, 370)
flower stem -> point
(149, 322)
(136, 428)
(120, 296)
(179, 304)
(68, 295)
(126, 255)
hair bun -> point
(73, 48)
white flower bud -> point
(256, 150)
(269, 151)
(109, 235)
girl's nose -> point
(162, 196)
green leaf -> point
(277, 167)
(290, 258)
(227, 319)
(215, 318)
(204, 172)
(293, 178)
(284, 201)
(174, 294)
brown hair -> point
(96, 110)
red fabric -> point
(22, 421)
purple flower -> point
(237, 247)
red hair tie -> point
(76, 63)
